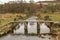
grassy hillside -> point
(5, 18)
(10, 17)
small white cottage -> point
(32, 27)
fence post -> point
(13, 26)
(51, 26)
(38, 28)
(25, 28)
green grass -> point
(54, 17)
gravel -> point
(23, 37)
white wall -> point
(44, 28)
(32, 28)
(20, 30)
